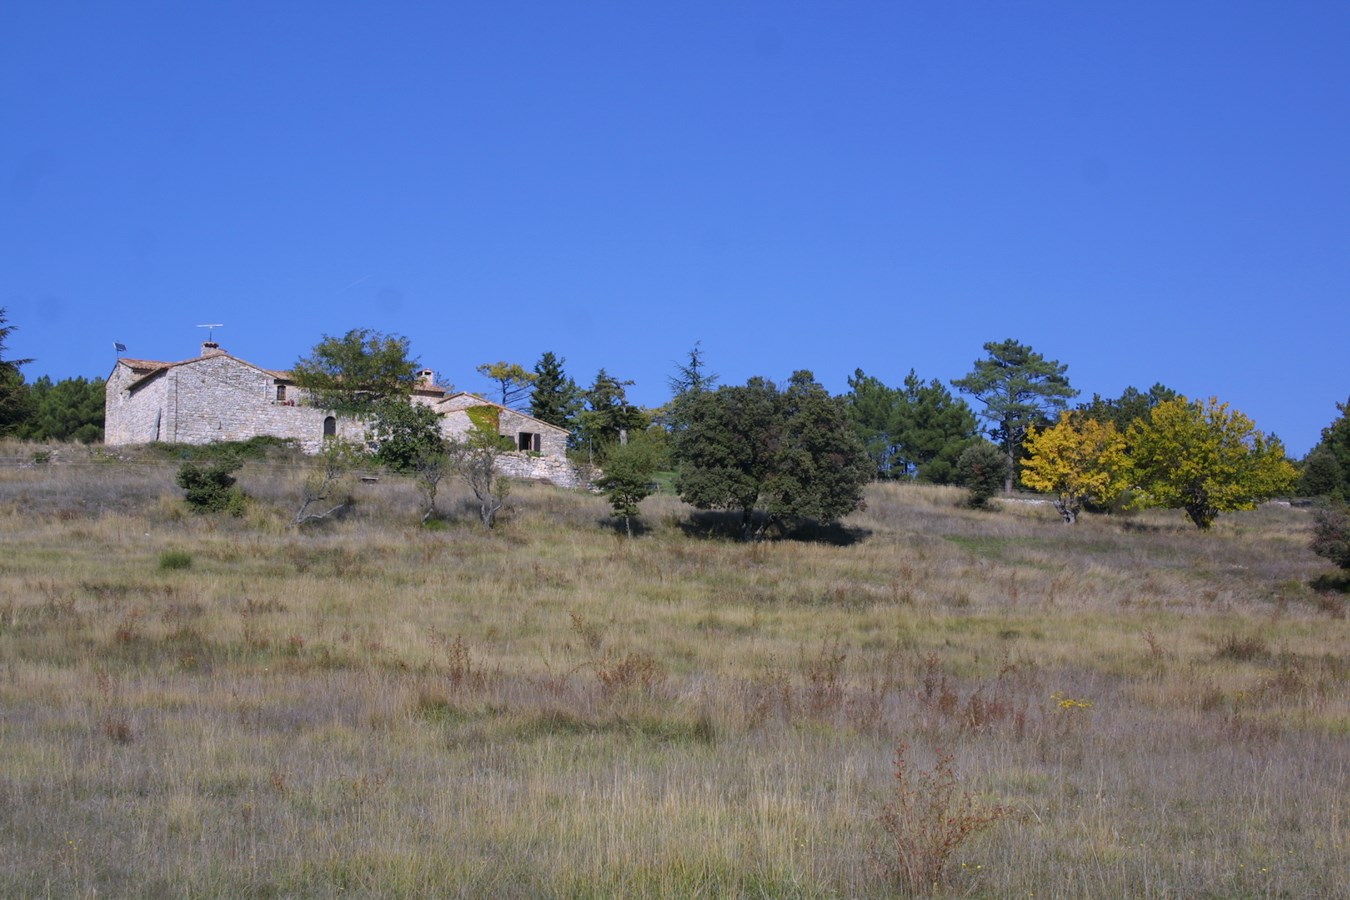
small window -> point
(330, 427)
(281, 393)
(527, 441)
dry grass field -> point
(201, 706)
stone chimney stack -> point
(426, 378)
(210, 348)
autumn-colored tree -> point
(1077, 459)
(1201, 456)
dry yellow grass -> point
(374, 708)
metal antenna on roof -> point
(211, 335)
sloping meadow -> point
(197, 705)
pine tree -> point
(556, 399)
(1326, 472)
(1019, 388)
(68, 410)
(932, 429)
(608, 417)
(15, 402)
(874, 410)
(513, 381)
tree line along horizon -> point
(800, 453)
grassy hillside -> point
(198, 706)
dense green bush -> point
(175, 559)
(1331, 534)
(982, 470)
(212, 489)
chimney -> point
(210, 348)
(426, 379)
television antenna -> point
(211, 333)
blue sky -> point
(1146, 192)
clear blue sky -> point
(1147, 192)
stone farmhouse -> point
(219, 397)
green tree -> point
(874, 410)
(15, 403)
(819, 465)
(402, 433)
(1326, 472)
(1130, 405)
(1019, 388)
(513, 380)
(212, 488)
(1202, 457)
(555, 397)
(725, 452)
(692, 375)
(792, 454)
(982, 469)
(608, 417)
(68, 410)
(1331, 534)
(932, 429)
(354, 373)
(627, 478)
(1322, 475)
(691, 378)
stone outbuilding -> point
(218, 397)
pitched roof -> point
(483, 401)
(150, 368)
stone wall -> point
(217, 398)
(220, 398)
(547, 463)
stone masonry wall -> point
(213, 399)
(219, 398)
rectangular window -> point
(281, 393)
(528, 441)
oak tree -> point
(1205, 458)
(790, 454)
(1078, 460)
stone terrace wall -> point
(216, 398)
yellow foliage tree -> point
(1202, 457)
(1077, 460)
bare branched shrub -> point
(767, 694)
(825, 680)
(1243, 648)
(474, 458)
(927, 820)
(460, 669)
(590, 634)
(634, 670)
(326, 493)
